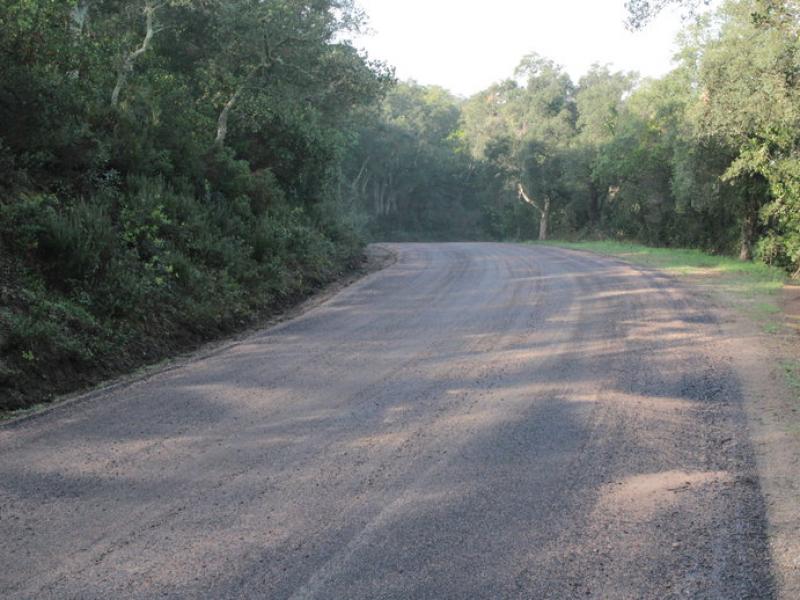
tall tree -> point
(751, 102)
(528, 134)
(599, 101)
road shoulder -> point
(772, 414)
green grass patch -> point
(752, 286)
(791, 373)
(791, 370)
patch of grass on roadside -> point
(792, 371)
(753, 287)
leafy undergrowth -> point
(93, 289)
(52, 345)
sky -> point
(466, 45)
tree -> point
(260, 46)
(149, 11)
(641, 12)
(526, 127)
(599, 101)
(751, 102)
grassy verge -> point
(752, 289)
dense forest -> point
(174, 169)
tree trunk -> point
(130, 59)
(380, 189)
(222, 121)
(356, 184)
(746, 248)
(594, 204)
(79, 18)
(362, 189)
(79, 27)
(749, 230)
(544, 221)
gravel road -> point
(474, 421)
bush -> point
(53, 331)
(72, 245)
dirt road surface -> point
(474, 421)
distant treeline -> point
(707, 157)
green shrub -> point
(76, 244)
(53, 330)
(73, 244)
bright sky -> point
(466, 45)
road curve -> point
(475, 421)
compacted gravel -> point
(474, 421)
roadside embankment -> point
(32, 380)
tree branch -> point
(79, 17)
(128, 63)
(222, 121)
(527, 199)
